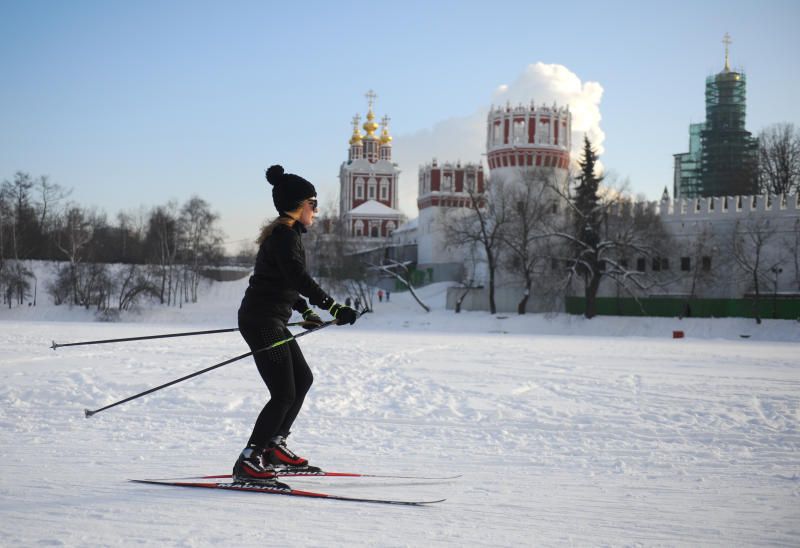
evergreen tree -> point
(587, 201)
(588, 219)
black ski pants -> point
(286, 374)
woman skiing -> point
(275, 290)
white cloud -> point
(464, 138)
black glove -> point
(310, 319)
(343, 314)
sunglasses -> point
(314, 203)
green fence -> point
(781, 307)
(419, 278)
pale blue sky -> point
(136, 103)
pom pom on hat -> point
(288, 190)
(274, 174)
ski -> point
(324, 474)
(285, 491)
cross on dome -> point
(371, 96)
(727, 41)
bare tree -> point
(134, 282)
(22, 219)
(625, 236)
(74, 231)
(49, 197)
(132, 227)
(15, 279)
(402, 274)
(604, 232)
(701, 251)
(779, 159)
(162, 242)
(468, 283)
(202, 241)
(750, 241)
(481, 226)
(792, 244)
(84, 280)
(531, 204)
(331, 255)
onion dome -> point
(370, 126)
(356, 138)
(386, 139)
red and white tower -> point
(444, 188)
(528, 137)
(368, 181)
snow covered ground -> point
(566, 431)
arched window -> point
(359, 228)
(470, 186)
(384, 189)
(372, 188)
(374, 231)
(543, 132)
(359, 189)
(447, 183)
(520, 133)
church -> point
(368, 182)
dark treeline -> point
(111, 265)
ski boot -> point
(283, 459)
(252, 467)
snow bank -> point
(219, 301)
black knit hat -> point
(288, 190)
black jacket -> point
(280, 278)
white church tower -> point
(368, 182)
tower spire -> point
(727, 41)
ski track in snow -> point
(561, 440)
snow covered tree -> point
(588, 215)
(606, 235)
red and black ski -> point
(326, 474)
(285, 491)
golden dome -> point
(386, 139)
(356, 138)
(370, 126)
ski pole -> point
(105, 341)
(89, 412)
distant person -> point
(387, 295)
(280, 277)
(380, 295)
(347, 301)
(358, 303)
